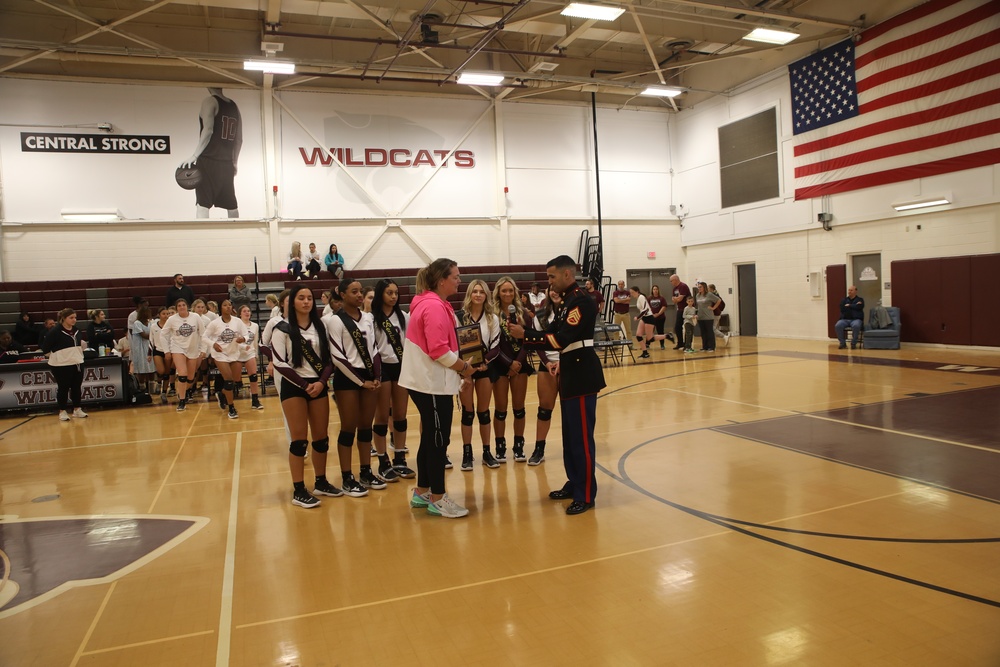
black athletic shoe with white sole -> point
(369, 480)
(303, 498)
(352, 488)
(324, 488)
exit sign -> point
(651, 254)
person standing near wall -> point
(64, 344)
(220, 140)
(680, 294)
(433, 371)
(177, 291)
(581, 378)
(706, 301)
(622, 299)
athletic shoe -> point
(537, 456)
(255, 405)
(689, 350)
(374, 451)
(222, 401)
(388, 474)
(79, 413)
(519, 456)
(403, 470)
(324, 488)
(232, 412)
(501, 456)
(725, 339)
(303, 498)
(420, 499)
(63, 416)
(488, 459)
(370, 481)
(644, 355)
(467, 459)
(352, 488)
(172, 392)
(181, 406)
(447, 508)
(448, 465)
(163, 399)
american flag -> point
(915, 96)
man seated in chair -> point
(852, 313)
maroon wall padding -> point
(956, 317)
(948, 299)
(984, 287)
(836, 290)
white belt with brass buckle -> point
(578, 344)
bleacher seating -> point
(43, 299)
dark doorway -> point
(746, 288)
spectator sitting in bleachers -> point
(8, 344)
(49, 323)
(99, 332)
(24, 331)
(239, 293)
(178, 291)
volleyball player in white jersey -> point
(302, 357)
(182, 336)
(223, 339)
(548, 375)
(281, 303)
(201, 308)
(248, 357)
(512, 369)
(390, 334)
(162, 359)
(478, 309)
(358, 369)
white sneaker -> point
(447, 508)
(63, 416)
(80, 413)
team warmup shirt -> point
(249, 349)
(226, 335)
(156, 336)
(182, 335)
(642, 305)
(385, 348)
(344, 352)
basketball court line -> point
(149, 642)
(172, 464)
(93, 624)
(229, 569)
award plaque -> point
(470, 344)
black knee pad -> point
(379, 429)
(639, 338)
(298, 447)
(321, 446)
(364, 435)
(484, 417)
(183, 378)
(252, 377)
(468, 416)
(544, 415)
(345, 439)
(400, 424)
(228, 385)
(519, 414)
(500, 415)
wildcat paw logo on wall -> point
(46, 557)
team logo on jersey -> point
(227, 336)
(574, 316)
(185, 330)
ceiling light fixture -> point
(585, 10)
(910, 205)
(659, 91)
(91, 214)
(269, 66)
(771, 36)
(480, 79)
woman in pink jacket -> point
(433, 371)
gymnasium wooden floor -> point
(777, 503)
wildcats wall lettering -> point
(37, 387)
(386, 157)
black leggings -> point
(435, 433)
(69, 383)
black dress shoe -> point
(576, 507)
(561, 494)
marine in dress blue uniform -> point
(581, 378)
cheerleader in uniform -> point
(392, 400)
(248, 357)
(356, 377)
(475, 395)
(548, 375)
(301, 356)
(223, 339)
(512, 370)
(182, 336)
